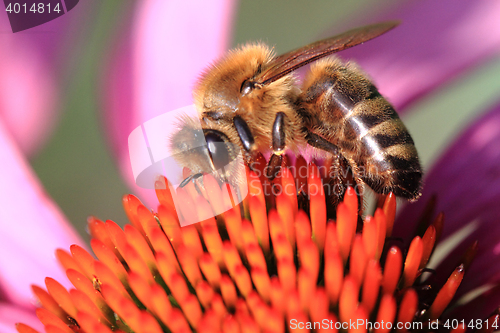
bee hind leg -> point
(352, 178)
(341, 170)
(334, 183)
(319, 142)
(359, 184)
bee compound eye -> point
(218, 150)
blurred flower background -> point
(72, 90)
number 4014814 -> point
(35, 8)
(476, 324)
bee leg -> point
(246, 136)
(359, 188)
(337, 176)
(186, 180)
(339, 171)
(279, 140)
(196, 179)
(318, 142)
(244, 133)
(335, 182)
(253, 157)
(356, 174)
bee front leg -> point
(279, 140)
(246, 137)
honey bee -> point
(250, 101)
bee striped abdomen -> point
(385, 150)
(350, 113)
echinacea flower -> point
(436, 42)
(263, 266)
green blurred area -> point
(76, 166)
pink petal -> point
(31, 227)
(154, 71)
(466, 180)
(436, 41)
(10, 315)
(28, 94)
(31, 63)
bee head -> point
(202, 150)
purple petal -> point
(436, 41)
(30, 63)
(28, 94)
(466, 180)
(10, 315)
(157, 62)
(31, 228)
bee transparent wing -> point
(290, 61)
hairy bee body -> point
(251, 99)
